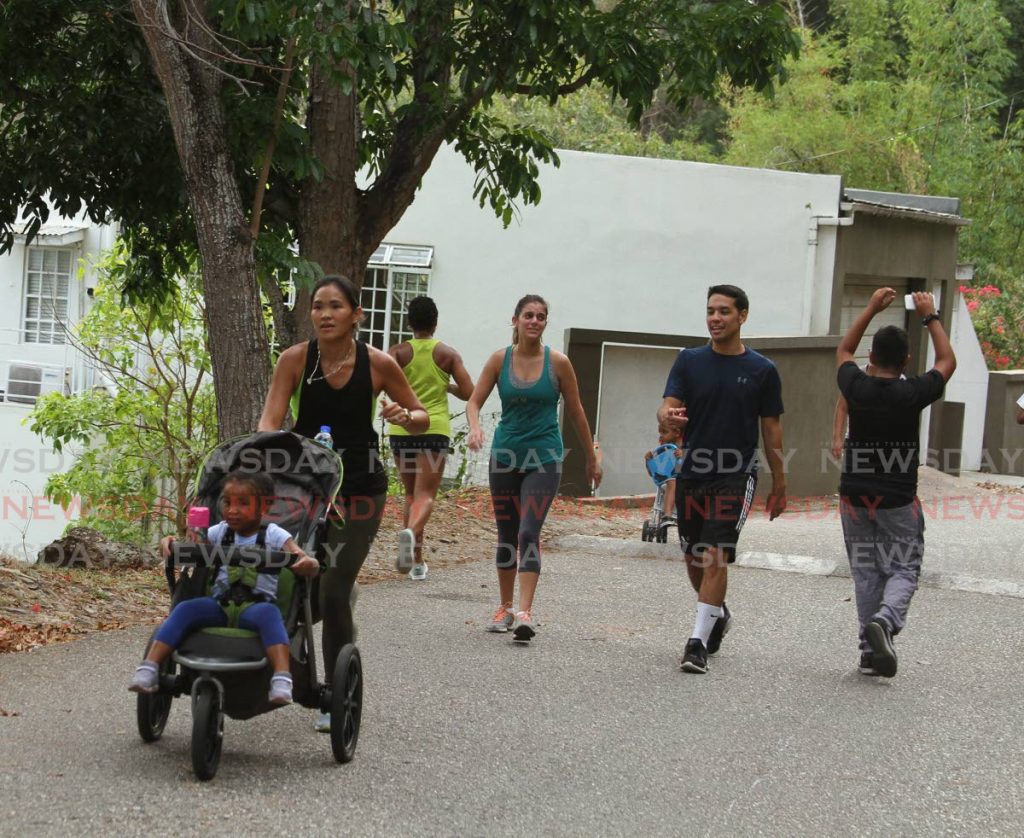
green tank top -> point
(528, 435)
(430, 384)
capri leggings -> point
(521, 501)
(346, 552)
(205, 612)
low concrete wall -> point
(622, 376)
(1003, 451)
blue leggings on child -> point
(205, 612)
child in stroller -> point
(227, 671)
(663, 464)
(245, 497)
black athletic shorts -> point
(711, 513)
(405, 448)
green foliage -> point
(83, 119)
(141, 432)
(905, 96)
(83, 122)
(593, 120)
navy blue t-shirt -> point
(725, 396)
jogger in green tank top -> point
(434, 371)
(526, 454)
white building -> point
(46, 288)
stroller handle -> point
(189, 554)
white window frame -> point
(47, 329)
(390, 269)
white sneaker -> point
(418, 572)
(406, 551)
(146, 679)
(524, 626)
(280, 689)
(323, 723)
(502, 620)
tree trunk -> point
(235, 326)
(328, 219)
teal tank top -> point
(528, 435)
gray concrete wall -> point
(1003, 451)
(622, 377)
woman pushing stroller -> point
(333, 380)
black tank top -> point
(349, 412)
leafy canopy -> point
(83, 119)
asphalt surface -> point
(591, 730)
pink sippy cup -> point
(198, 519)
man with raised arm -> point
(883, 524)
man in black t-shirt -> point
(722, 395)
(883, 525)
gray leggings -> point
(521, 501)
(346, 551)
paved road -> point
(591, 731)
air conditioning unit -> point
(27, 382)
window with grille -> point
(395, 274)
(47, 284)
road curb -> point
(807, 565)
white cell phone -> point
(1020, 402)
(908, 302)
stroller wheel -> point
(662, 535)
(645, 534)
(152, 710)
(346, 703)
(207, 731)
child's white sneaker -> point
(280, 689)
(146, 678)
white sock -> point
(705, 622)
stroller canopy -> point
(306, 476)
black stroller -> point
(225, 670)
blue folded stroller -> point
(662, 466)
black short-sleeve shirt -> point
(726, 396)
(883, 445)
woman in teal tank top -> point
(526, 454)
(433, 370)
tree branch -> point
(268, 154)
(562, 90)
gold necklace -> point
(324, 372)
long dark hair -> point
(523, 303)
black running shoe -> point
(720, 630)
(695, 657)
(879, 638)
(867, 664)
